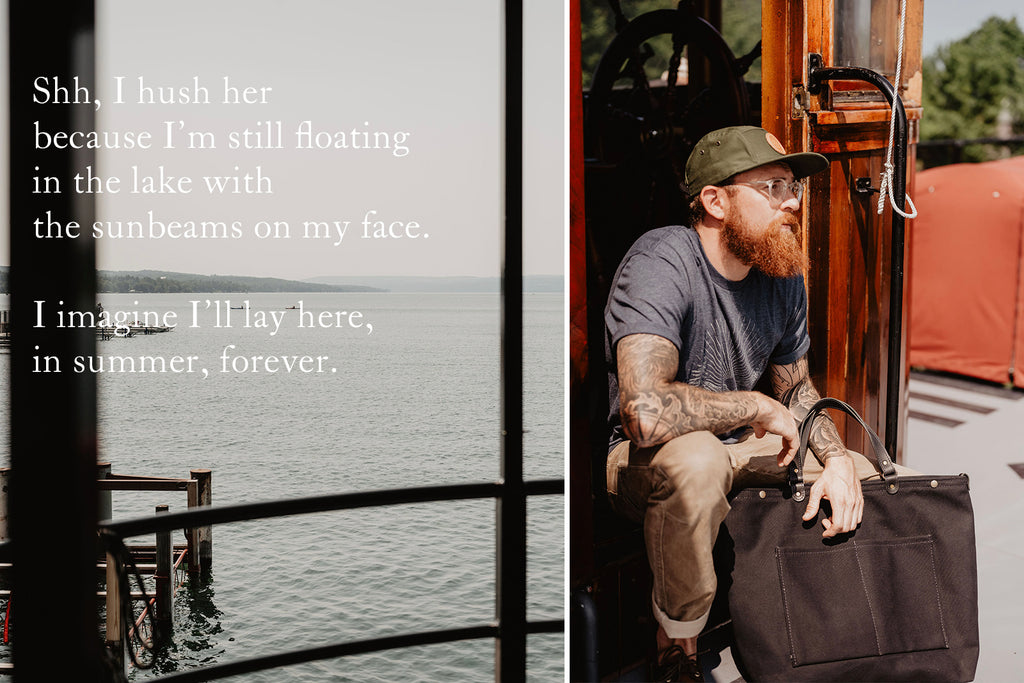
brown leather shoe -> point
(675, 665)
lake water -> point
(415, 402)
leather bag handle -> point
(796, 468)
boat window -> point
(865, 34)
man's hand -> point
(838, 484)
(774, 418)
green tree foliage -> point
(967, 83)
(597, 29)
(741, 28)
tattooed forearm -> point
(655, 408)
(792, 384)
(650, 418)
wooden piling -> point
(105, 509)
(164, 583)
(5, 480)
(115, 627)
(192, 533)
(204, 497)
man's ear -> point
(714, 199)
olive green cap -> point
(723, 153)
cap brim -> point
(804, 164)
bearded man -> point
(696, 316)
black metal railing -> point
(198, 517)
(955, 151)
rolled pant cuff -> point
(679, 629)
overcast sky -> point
(422, 79)
(949, 20)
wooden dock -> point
(168, 564)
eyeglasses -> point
(777, 188)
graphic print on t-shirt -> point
(733, 358)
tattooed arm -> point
(655, 408)
(838, 482)
(792, 385)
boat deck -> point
(959, 425)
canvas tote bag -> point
(895, 600)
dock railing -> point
(113, 533)
(162, 559)
(124, 630)
(198, 491)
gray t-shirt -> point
(726, 332)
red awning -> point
(967, 251)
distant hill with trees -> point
(170, 282)
(159, 281)
(162, 281)
(411, 283)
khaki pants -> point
(678, 490)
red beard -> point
(775, 251)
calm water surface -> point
(413, 403)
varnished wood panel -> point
(912, 57)
(848, 242)
(848, 292)
(776, 76)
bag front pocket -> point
(861, 599)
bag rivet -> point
(885, 462)
(892, 486)
(762, 494)
(934, 484)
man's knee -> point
(696, 462)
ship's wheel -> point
(645, 129)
